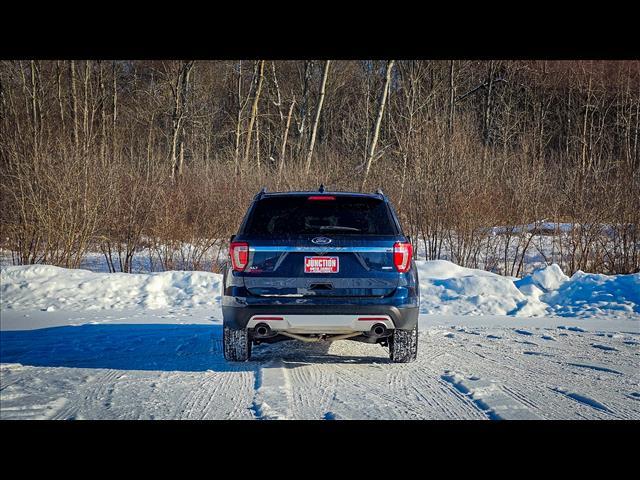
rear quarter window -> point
(297, 215)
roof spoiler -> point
(322, 189)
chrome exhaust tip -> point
(378, 330)
(261, 330)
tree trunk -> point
(114, 113)
(283, 148)
(258, 143)
(103, 116)
(317, 119)
(376, 128)
(34, 109)
(241, 105)
(74, 102)
(568, 137)
(59, 92)
(85, 107)
(254, 113)
(308, 66)
(584, 127)
(486, 123)
(179, 112)
(452, 97)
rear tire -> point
(403, 346)
(236, 344)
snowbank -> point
(448, 289)
(45, 287)
(445, 289)
(586, 294)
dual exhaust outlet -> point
(378, 331)
(262, 330)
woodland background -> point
(485, 161)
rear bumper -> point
(324, 323)
(404, 318)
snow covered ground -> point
(77, 344)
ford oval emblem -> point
(321, 241)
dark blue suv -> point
(320, 266)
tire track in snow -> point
(362, 396)
(37, 411)
(223, 391)
(395, 390)
(426, 383)
(102, 390)
(348, 374)
(442, 405)
(272, 392)
(490, 398)
(520, 397)
(215, 386)
(532, 375)
(367, 378)
(473, 409)
(466, 406)
(184, 408)
(313, 390)
(498, 364)
(93, 395)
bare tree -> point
(376, 127)
(74, 102)
(452, 95)
(242, 102)
(283, 148)
(254, 110)
(308, 67)
(314, 131)
(180, 90)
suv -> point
(316, 266)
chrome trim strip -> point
(318, 248)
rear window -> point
(295, 215)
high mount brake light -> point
(402, 253)
(239, 253)
(321, 197)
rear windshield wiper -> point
(338, 227)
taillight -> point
(402, 252)
(239, 253)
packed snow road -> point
(78, 344)
(151, 367)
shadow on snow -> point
(189, 348)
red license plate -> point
(321, 264)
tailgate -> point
(344, 269)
